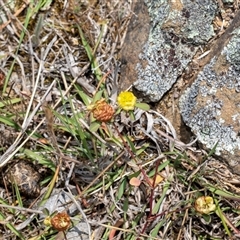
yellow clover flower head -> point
(126, 100)
(205, 205)
(47, 221)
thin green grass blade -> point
(81, 132)
(11, 227)
(222, 217)
(104, 25)
(121, 189)
(8, 121)
(9, 102)
(36, 156)
(163, 195)
(160, 168)
(73, 126)
(155, 231)
(46, 180)
(92, 59)
(222, 193)
(125, 207)
(142, 149)
(108, 184)
(49, 192)
(106, 233)
(31, 10)
(131, 144)
(67, 122)
(212, 151)
(18, 195)
(135, 222)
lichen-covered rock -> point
(177, 29)
(211, 106)
(228, 1)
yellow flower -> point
(126, 100)
(205, 205)
(47, 221)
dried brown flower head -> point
(102, 111)
(61, 221)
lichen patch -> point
(177, 29)
(211, 105)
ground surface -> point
(132, 177)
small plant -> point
(205, 205)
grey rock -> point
(177, 29)
(211, 106)
(59, 201)
(228, 1)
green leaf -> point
(155, 231)
(213, 150)
(98, 96)
(131, 114)
(36, 156)
(9, 122)
(131, 144)
(222, 193)
(163, 195)
(9, 102)
(91, 57)
(143, 106)
(19, 198)
(121, 189)
(46, 180)
(222, 217)
(207, 218)
(160, 168)
(46, 211)
(118, 111)
(94, 126)
(4, 202)
(142, 149)
(86, 99)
